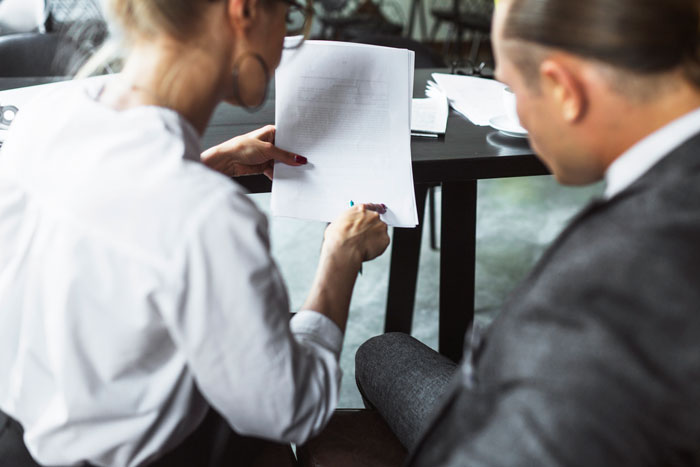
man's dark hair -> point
(642, 36)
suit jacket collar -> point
(677, 163)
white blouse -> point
(137, 289)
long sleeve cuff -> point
(309, 325)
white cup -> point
(510, 105)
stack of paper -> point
(346, 108)
(429, 115)
(478, 99)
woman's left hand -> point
(249, 154)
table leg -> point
(457, 258)
(403, 272)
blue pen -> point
(352, 203)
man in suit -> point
(594, 359)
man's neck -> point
(634, 119)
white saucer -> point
(506, 126)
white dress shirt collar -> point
(637, 160)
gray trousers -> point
(404, 380)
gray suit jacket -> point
(595, 359)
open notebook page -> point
(346, 107)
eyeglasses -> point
(300, 16)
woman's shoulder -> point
(120, 171)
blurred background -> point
(442, 32)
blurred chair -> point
(74, 29)
(340, 19)
(59, 52)
(63, 15)
(464, 16)
(353, 438)
(33, 54)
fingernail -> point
(300, 159)
(383, 211)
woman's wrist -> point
(342, 255)
(222, 160)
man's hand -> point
(250, 154)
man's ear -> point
(561, 85)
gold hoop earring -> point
(236, 75)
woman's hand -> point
(249, 154)
(358, 234)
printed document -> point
(346, 108)
(429, 115)
(478, 99)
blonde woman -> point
(142, 319)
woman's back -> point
(96, 209)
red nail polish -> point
(300, 159)
(383, 208)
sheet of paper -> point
(478, 99)
(345, 107)
(429, 115)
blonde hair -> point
(128, 19)
(177, 18)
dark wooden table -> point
(455, 162)
(466, 154)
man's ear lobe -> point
(562, 86)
